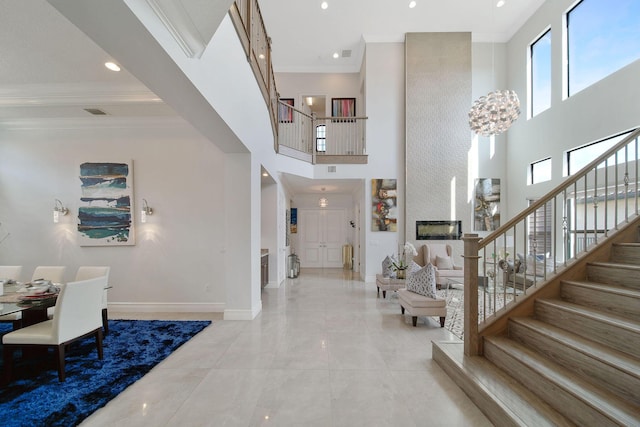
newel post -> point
(471, 339)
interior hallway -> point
(325, 351)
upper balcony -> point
(318, 140)
(321, 140)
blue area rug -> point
(131, 349)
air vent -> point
(331, 168)
(346, 53)
(95, 111)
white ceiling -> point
(304, 36)
(49, 69)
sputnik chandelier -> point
(494, 113)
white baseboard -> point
(242, 314)
(273, 285)
(154, 307)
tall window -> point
(541, 74)
(321, 138)
(578, 158)
(540, 171)
(602, 38)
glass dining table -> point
(33, 307)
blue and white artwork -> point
(105, 214)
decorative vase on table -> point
(400, 273)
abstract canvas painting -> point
(486, 206)
(105, 212)
(384, 205)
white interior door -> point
(322, 236)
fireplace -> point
(438, 230)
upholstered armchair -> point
(440, 256)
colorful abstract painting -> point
(384, 205)
(486, 206)
(105, 213)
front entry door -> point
(322, 236)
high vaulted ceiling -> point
(50, 70)
(304, 36)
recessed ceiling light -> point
(112, 66)
(324, 5)
(412, 4)
(261, 56)
(336, 55)
(500, 3)
(265, 174)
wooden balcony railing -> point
(247, 19)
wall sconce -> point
(58, 209)
(146, 210)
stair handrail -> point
(507, 268)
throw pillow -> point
(387, 268)
(413, 268)
(423, 281)
(444, 263)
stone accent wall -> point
(438, 138)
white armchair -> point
(440, 256)
(77, 315)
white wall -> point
(601, 110)
(177, 260)
(385, 89)
(330, 85)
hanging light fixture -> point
(494, 113)
(323, 202)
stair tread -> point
(616, 289)
(601, 400)
(611, 264)
(512, 396)
(600, 352)
(618, 321)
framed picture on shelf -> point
(343, 107)
(285, 113)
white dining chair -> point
(90, 272)
(76, 316)
(49, 272)
(11, 272)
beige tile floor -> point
(325, 351)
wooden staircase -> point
(576, 361)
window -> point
(540, 171)
(601, 39)
(582, 156)
(541, 74)
(321, 138)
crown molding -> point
(100, 122)
(176, 20)
(74, 94)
